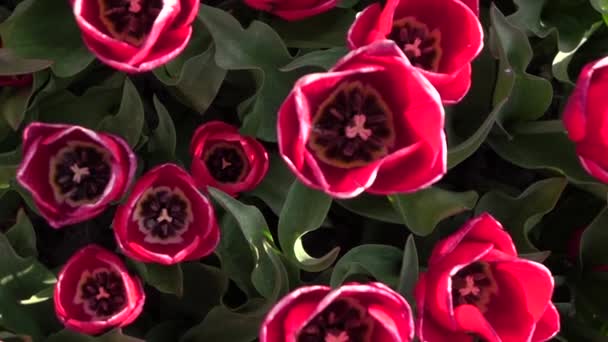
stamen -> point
(79, 173)
(225, 163)
(359, 128)
(103, 294)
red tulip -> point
(372, 123)
(135, 35)
(585, 118)
(353, 312)
(95, 292)
(73, 173)
(166, 220)
(439, 37)
(224, 159)
(476, 285)
(293, 9)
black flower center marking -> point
(474, 285)
(421, 46)
(79, 173)
(226, 162)
(353, 127)
(101, 293)
(129, 20)
(344, 320)
(163, 215)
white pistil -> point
(470, 287)
(79, 173)
(414, 47)
(164, 216)
(358, 130)
(225, 163)
(134, 6)
(102, 293)
(342, 337)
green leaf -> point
(600, 5)
(593, 242)
(528, 96)
(235, 255)
(9, 162)
(569, 19)
(374, 207)
(421, 211)
(325, 30)
(304, 211)
(324, 59)
(47, 30)
(223, 324)
(13, 104)
(129, 121)
(166, 331)
(198, 82)
(115, 335)
(260, 49)
(11, 64)
(269, 275)
(165, 278)
(520, 214)
(163, 139)
(22, 236)
(275, 186)
(381, 262)
(409, 270)
(550, 150)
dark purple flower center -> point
(344, 320)
(421, 46)
(352, 127)
(226, 162)
(163, 215)
(101, 293)
(474, 285)
(79, 173)
(129, 20)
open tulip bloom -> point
(95, 292)
(135, 35)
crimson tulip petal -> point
(292, 10)
(471, 320)
(548, 326)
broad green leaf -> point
(269, 275)
(165, 278)
(129, 121)
(325, 30)
(546, 150)
(305, 210)
(198, 82)
(569, 19)
(22, 236)
(51, 34)
(166, 331)
(600, 5)
(593, 250)
(528, 96)
(9, 162)
(520, 214)
(235, 255)
(421, 211)
(13, 104)
(11, 64)
(381, 262)
(223, 324)
(374, 207)
(275, 186)
(260, 49)
(115, 335)
(324, 59)
(163, 139)
(409, 270)
(561, 62)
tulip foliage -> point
(303, 170)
